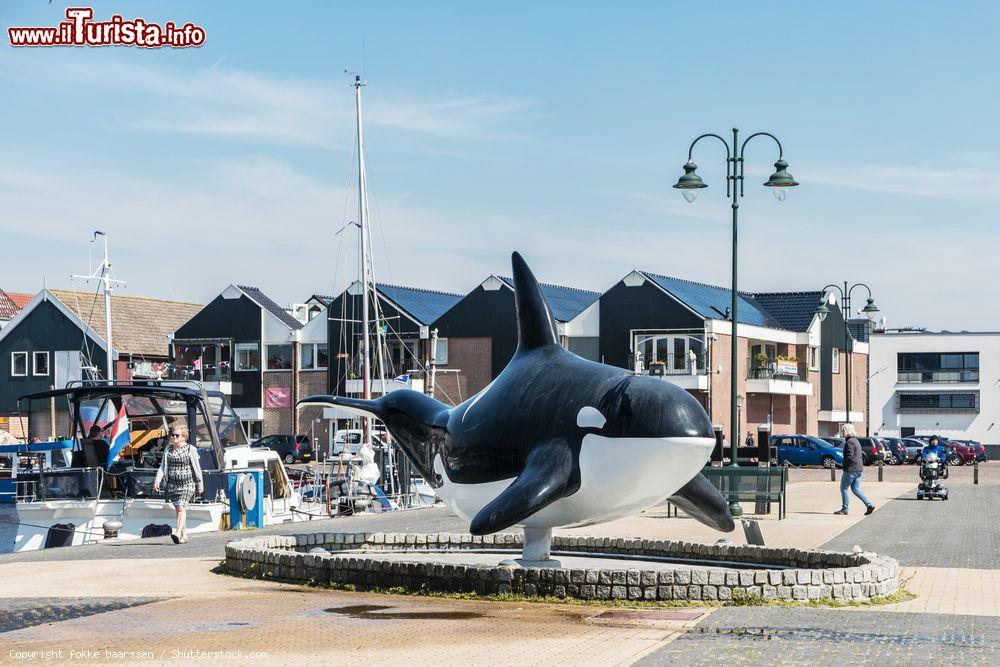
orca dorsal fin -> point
(535, 325)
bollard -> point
(833, 473)
(880, 470)
(975, 472)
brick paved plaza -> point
(167, 602)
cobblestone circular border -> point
(353, 558)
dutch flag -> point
(120, 436)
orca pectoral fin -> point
(702, 501)
(544, 480)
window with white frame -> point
(40, 363)
(814, 358)
(835, 360)
(313, 357)
(279, 357)
(441, 351)
(18, 364)
(247, 356)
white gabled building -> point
(924, 382)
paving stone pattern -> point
(803, 636)
(963, 531)
(17, 613)
(353, 558)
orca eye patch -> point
(590, 417)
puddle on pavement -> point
(377, 612)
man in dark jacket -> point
(853, 468)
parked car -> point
(914, 447)
(872, 451)
(291, 448)
(961, 452)
(978, 449)
(897, 450)
(836, 442)
(805, 450)
(348, 441)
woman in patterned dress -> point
(182, 472)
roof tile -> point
(566, 302)
(792, 311)
(265, 302)
(423, 304)
(139, 324)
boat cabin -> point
(90, 415)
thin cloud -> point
(285, 111)
(959, 183)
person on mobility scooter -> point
(933, 468)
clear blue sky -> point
(553, 128)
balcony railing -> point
(938, 376)
(677, 364)
(212, 374)
(777, 369)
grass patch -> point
(739, 600)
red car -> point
(960, 452)
(976, 451)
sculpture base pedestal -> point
(536, 551)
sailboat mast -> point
(106, 278)
(363, 223)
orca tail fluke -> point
(355, 406)
(535, 325)
(702, 501)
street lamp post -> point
(689, 184)
(870, 310)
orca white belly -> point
(618, 477)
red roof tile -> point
(20, 300)
(8, 309)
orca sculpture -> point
(555, 440)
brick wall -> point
(277, 420)
(311, 383)
(859, 386)
(719, 382)
(791, 414)
(471, 357)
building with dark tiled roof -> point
(406, 314)
(246, 345)
(792, 366)
(59, 336)
(477, 336)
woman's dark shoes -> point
(175, 537)
(871, 508)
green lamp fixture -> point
(780, 180)
(822, 310)
(870, 309)
(690, 182)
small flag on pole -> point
(402, 379)
(120, 436)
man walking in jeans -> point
(853, 467)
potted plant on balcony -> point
(759, 366)
(657, 368)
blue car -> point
(805, 450)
